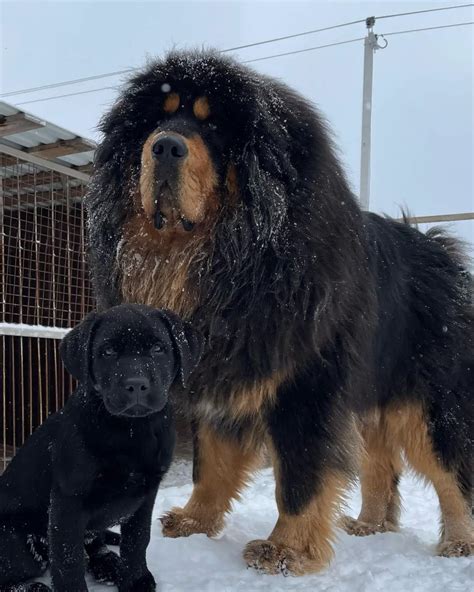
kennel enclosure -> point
(44, 284)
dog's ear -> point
(188, 342)
(74, 348)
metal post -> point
(370, 46)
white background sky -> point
(422, 140)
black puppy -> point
(98, 461)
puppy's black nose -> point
(137, 385)
(169, 149)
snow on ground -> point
(392, 562)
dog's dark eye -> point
(158, 348)
(108, 351)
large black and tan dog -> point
(217, 193)
(98, 461)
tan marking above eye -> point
(171, 103)
(201, 108)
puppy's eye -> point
(158, 348)
(108, 351)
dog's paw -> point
(32, 587)
(176, 523)
(272, 558)
(359, 528)
(145, 583)
(106, 567)
(456, 549)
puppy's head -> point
(130, 356)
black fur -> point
(88, 468)
(362, 310)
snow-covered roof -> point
(27, 137)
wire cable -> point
(279, 55)
(126, 71)
(266, 41)
(383, 16)
(462, 24)
(426, 29)
(66, 83)
(74, 94)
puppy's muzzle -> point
(135, 397)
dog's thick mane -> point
(259, 281)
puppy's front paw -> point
(145, 583)
(106, 567)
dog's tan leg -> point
(458, 528)
(300, 543)
(224, 467)
(379, 475)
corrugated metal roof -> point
(46, 133)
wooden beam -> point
(55, 166)
(61, 148)
(14, 124)
(439, 218)
(85, 168)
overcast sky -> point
(422, 140)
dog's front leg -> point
(135, 538)
(66, 542)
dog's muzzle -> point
(169, 152)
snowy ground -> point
(401, 562)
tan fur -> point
(197, 198)
(155, 266)
(248, 401)
(300, 544)
(147, 175)
(225, 467)
(380, 466)
(409, 429)
(198, 182)
(201, 108)
(171, 103)
(232, 184)
(385, 434)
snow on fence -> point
(44, 291)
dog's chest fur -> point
(158, 273)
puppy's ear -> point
(188, 342)
(74, 348)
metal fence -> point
(44, 290)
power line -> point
(275, 39)
(377, 18)
(245, 62)
(279, 55)
(264, 42)
(81, 92)
(126, 71)
(427, 29)
(66, 82)
(270, 57)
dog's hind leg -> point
(380, 471)
(457, 537)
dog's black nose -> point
(169, 148)
(137, 385)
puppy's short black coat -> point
(98, 461)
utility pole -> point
(370, 47)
